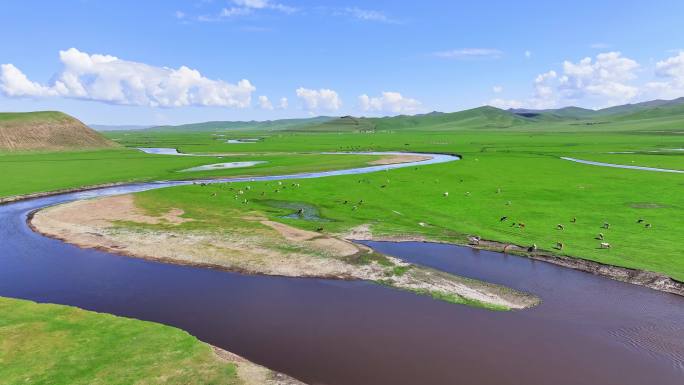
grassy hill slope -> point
(47, 130)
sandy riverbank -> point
(394, 159)
(253, 374)
(116, 224)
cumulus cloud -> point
(264, 103)
(13, 82)
(321, 99)
(670, 75)
(600, 81)
(470, 53)
(545, 95)
(505, 103)
(108, 79)
(606, 78)
(283, 103)
(389, 102)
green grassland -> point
(508, 169)
(39, 172)
(62, 345)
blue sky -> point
(154, 62)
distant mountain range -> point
(123, 127)
(54, 130)
(584, 113)
(480, 117)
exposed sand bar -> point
(267, 247)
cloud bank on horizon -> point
(108, 79)
(608, 79)
(177, 61)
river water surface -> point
(588, 330)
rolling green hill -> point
(485, 117)
(269, 125)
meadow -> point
(514, 172)
(24, 173)
(97, 348)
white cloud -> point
(670, 74)
(367, 15)
(528, 54)
(264, 103)
(497, 89)
(606, 78)
(13, 82)
(264, 4)
(234, 11)
(389, 102)
(108, 79)
(258, 4)
(322, 99)
(283, 103)
(505, 103)
(470, 53)
(544, 90)
(240, 8)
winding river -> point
(588, 330)
(613, 165)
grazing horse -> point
(560, 227)
(604, 245)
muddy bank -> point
(253, 374)
(656, 281)
(254, 246)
